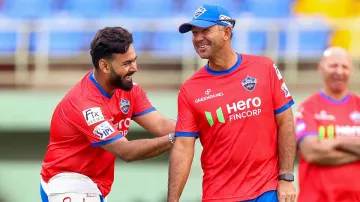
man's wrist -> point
(287, 176)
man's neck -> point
(223, 61)
(103, 83)
(335, 95)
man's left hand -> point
(286, 191)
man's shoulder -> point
(75, 105)
(355, 97)
(80, 96)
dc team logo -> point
(199, 12)
(249, 83)
(124, 106)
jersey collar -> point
(102, 91)
(333, 101)
(228, 71)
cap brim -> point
(197, 23)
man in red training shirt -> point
(90, 124)
(240, 108)
(328, 135)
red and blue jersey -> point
(233, 112)
(86, 118)
(324, 117)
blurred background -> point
(44, 51)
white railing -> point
(41, 60)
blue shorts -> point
(270, 196)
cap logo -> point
(224, 17)
(199, 12)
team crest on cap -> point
(249, 83)
(199, 12)
(124, 106)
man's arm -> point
(180, 163)
(138, 149)
(324, 152)
(286, 141)
(156, 123)
(349, 144)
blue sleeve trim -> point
(285, 107)
(144, 112)
(305, 135)
(111, 140)
(186, 134)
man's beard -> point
(119, 82)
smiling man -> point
(90, 124)
(328, 135)
(240, 108)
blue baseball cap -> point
(208, 15)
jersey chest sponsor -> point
(232, 111)
(122, 125)
(332, 131)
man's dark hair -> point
(109, 41)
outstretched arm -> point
(156, 123)
(138, 149)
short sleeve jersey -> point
(86, 118)
(233, 114)
(326, 118)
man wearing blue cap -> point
(240, 108)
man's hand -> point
(286, 191)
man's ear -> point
(104, 66)
(228, 32)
